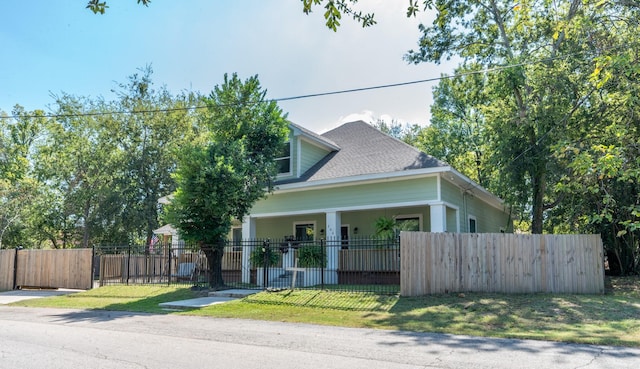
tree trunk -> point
(85, 231)
(538, 178)
(214, 261)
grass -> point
(610, 319)
(119, 298)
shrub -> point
(257, 257)
(312, 256)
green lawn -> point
(610, 319)
(121, 298)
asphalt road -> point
(73, 339)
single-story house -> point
(335, 186)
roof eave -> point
(353, 180)
(311, 136)
(467, 184)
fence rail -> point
(416, 264)
(507, 263)
(358, 265)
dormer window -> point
(283, 160)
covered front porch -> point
(340, 230)
(344, 225)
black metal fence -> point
(364, 264)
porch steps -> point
(285, 280)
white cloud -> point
(365, 115)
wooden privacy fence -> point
(69, 268)
(497, 262)
(7, 259)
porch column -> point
(438, 218)
(248, 234)
(334, 224)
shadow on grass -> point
(133, 305)
(592, 319)
(470, 344)
(326, 299)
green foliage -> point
(334, 10)
(385, 228)
(97, 6)
(221, 178)
(13, 197)
(18, 186)
(457, 133)
(92, 174)
(406, 133)
(312, 256)
(108, 169)
(258, 258)
(555, 132)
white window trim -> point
(313, 222)
(233, 228)
(290, 157)
(410, 216)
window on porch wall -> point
(407, 223)
(305, 232)
(237, 239)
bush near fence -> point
(504, 263)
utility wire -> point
(297, 97)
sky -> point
(49, 47)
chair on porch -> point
(185, 272)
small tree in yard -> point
(222, 177)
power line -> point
(296, 97)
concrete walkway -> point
(216, 297)
(8, 297)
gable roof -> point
(365, 150)
(314, 137)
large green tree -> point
(457, 133)
(80, 159)
(150, 140)
(559, 109)
(108, 162)
(18, 188)
(557, 118)
(531, 96)
(601, 183)
(222, 175)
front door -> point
(344, 236)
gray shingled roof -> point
(365, 150)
